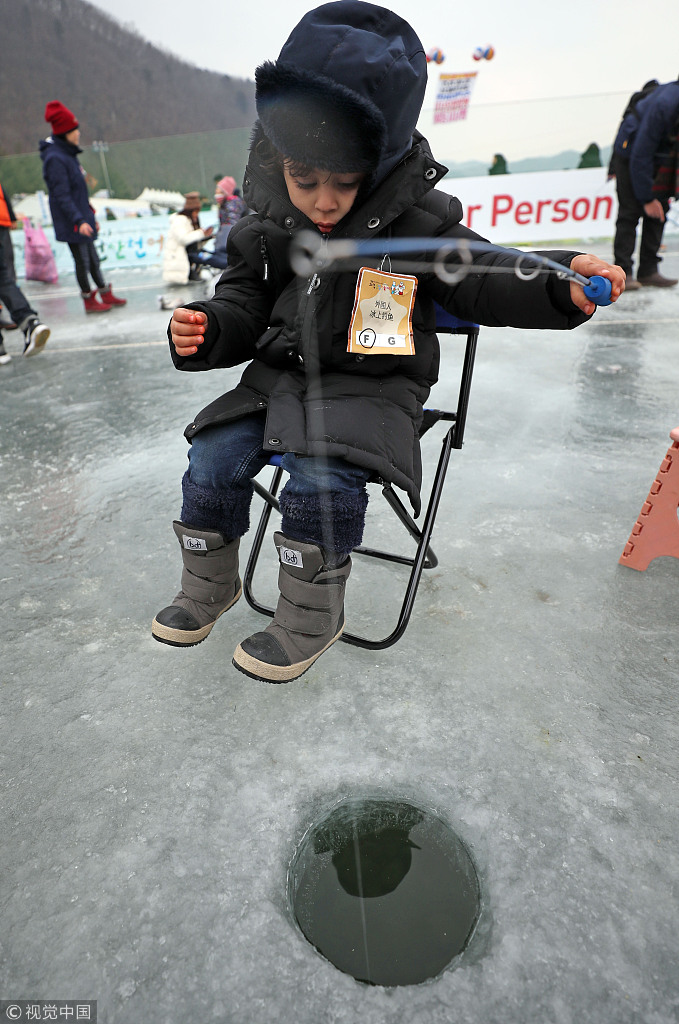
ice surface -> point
(153, 797)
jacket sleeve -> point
(238, 315)
(504, 299)
(59, 188)
(651, 134)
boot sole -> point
(185, 637)
(37, 342)
(250, 666)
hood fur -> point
(346, 91)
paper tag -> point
(291, 557)
(194, 543)
(381, 320)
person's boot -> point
(210, 585)
(109, 299)
(92, 303)
(309, 617)
(656, 280)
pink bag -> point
(38, 256)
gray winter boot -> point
(309, 617)
(210, 585)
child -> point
(335, 150)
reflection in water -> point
(385, 891)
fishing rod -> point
(453, 260)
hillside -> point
(119, 86)
(565, 160)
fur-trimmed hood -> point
(346, 91)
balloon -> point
(436, 55)
(483, 53)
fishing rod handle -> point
(599, 290)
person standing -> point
(230, 208)
(73, 217)
(22, 315)
(641, 145)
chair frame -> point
(424, 557)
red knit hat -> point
(60, 117)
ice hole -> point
(385, 891)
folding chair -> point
(424, 557)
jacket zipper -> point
(265, 256)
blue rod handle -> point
(599, 290)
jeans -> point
(10, 295)
(86, 261)
(323, 501)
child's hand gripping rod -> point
(310, 253)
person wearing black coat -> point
(73, 217)
(642, 141)
(335, 152)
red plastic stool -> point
(656, 531)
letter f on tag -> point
(367, 338)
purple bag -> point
(38, 256)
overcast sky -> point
(543, 49)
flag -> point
(452, 98)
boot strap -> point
(316, 623)
(206, 591)
(322, 596)
(211, 564)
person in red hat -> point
(73, 217)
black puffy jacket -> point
(292, 331)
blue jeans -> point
(323, 501)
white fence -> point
(511, 209)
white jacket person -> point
(184, 230)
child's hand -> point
(590, 266)
(187, 328)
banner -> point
(539, 206)
(127, 242)
(452, 98)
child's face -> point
(324, 198)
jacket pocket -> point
(242, 401)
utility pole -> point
(101, 147)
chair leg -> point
(270, 503)
(418, 563)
